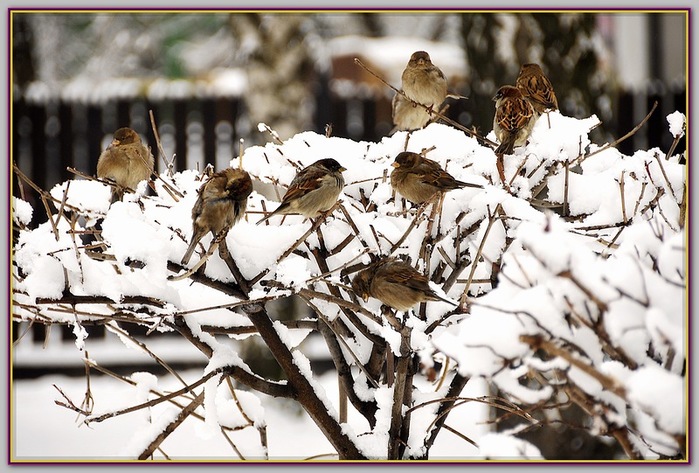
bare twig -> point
(427, 108)
(159, 145)
(662, 169)
(272, 133)
(474, 262)
(170, 428)
(566, 188)
(617, 141)
(539, 343)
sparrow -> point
(514, 119)
(418, 178)
(396, 284)
(221, 202)
(424, 83)
(313, 190)
(126, 161)
(535, 86)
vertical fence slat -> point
(656, 128)
(66, 139)
(94, 133)
(180, 123)
(338, 115)
(625, 121)
(208, 118)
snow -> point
(677, 122)
(659, 393)
(504, 447)
(22, 211)
(293, 272)
(604, 285)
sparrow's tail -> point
(442, 298)
(277, 211)
(506, 147)
(188, 253)
(468, 184)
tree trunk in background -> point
(497, 44)
(23, 68)
(572, 63)
(486, 69)
(279, 70)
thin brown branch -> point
(474, 262)
(662, 170)
(170, 428)
(608, 383)
(619, 140)
(566, 188)
(155, 402)
(460, 435)
(114, 327)
(159, 145)
(427, 108)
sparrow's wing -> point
(405, 275)
(432, 174)
(539, 89)
(304, 182)
(514, 114)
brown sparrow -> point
(313, 190)
(126, 161)
(424, 83)
(396, 284)
(535, 86)
(514, 119)
(221, 202)
(418, 178)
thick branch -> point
(344, 372)
(306, 395)
(457, 385)
(251, 380)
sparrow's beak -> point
(342, 169)
(365, 296)
(115, 142)
(396, 165)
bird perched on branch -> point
(418, 178)
(536, 87)
(396, 284)
(313, 190)
(514, 119)
(424, 83)
(126, 161)
(221, 202)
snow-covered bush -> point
(571, 280)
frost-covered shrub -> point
(571, 281)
